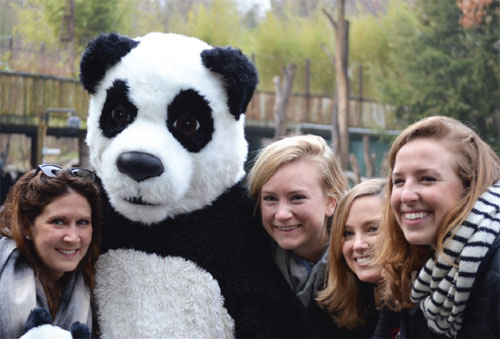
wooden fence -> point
(32, 94)
(29, 95)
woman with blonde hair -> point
(352, 276)
(296, 183)
(441, 231)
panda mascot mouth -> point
(139, 201)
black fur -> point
(118, 111)
(80, 331)
(38, 316)
(190, 120)
(102, 53)
(239, 74)
(255, 294)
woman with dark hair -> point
(50, 229)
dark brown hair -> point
(26, 201)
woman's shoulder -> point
(7, 243)
(490, 264)
(7, 247)
(482, 311)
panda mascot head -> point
(165, 125)
(182, 253)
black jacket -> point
(327, 328)
(481, 317)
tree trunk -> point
(283, 91)
(334, 133)
(368, 157)
(341, 54)
(335, 127)
(341, 27)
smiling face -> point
(294, 209)
(360, 235)
(62, 234)
(425, 188)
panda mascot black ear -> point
(101, 53)
(239, 75)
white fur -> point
(157, 70)
(139, 297)
(47, 331)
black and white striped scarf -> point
(442, 289)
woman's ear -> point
(26, 227)
(330, 206)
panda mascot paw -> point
(38, 326)
(182, 252)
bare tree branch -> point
(330, 18)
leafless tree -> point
(341, 27)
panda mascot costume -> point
(183, 255)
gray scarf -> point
(305, 278)
(21, 292)
(442, 289)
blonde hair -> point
(477, 166)
(342, 295)
(301, 147)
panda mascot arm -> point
(182, 253)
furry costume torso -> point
(254, 293)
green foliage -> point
(217, 24)
(278, 41)
(33, 23)
(43, 20)
(8, 17)
(146, 16)
(441, 68)
(368, 45)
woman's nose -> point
(283, 212)
(71, 234)
(360, 243)
(409, 193)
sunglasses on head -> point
(51, 171)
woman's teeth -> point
(363, 260)
(413, 216)
(287, 228)
(67, 252)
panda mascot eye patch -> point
(118, 112)
(190, 120)
(183, 255)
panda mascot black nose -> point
(139, 166)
